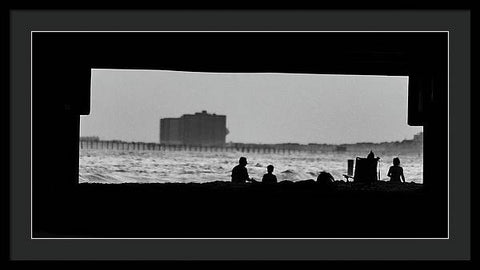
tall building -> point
(171, 131)
(199, 129)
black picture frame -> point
(451, 248)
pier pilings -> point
(240, 148)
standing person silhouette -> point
(396, 172)
(269, 177)
(240, 173)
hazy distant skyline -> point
(260, 107)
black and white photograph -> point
(302, 123)
(238, 137)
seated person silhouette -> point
(269, 177)
(325, 181)
(240, 173)
(396, 172)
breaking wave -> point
(113, 166)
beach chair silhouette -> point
(365, 170)
(349, 170)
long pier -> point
(287, 148)
(243, 148)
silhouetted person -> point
(396, 172)
(325, 179)
(269, 177)
(371, 155)
(240, 173)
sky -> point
(260, 107)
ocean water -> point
(119, 166)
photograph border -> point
(21, 19)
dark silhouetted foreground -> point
(303, 209)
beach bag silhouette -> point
(365, 170)
(325, 178)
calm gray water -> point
(119, 166)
